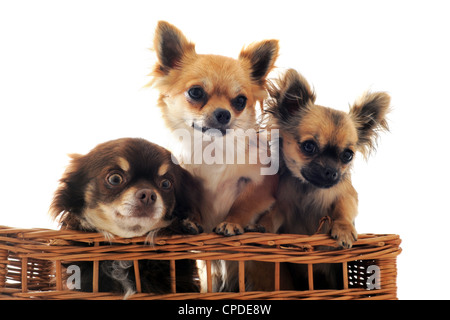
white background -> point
(72, 76)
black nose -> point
(222, 116)
(330, 174)
(146, 196)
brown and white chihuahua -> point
(205, 99)
(318, 145)
(209, 102)
(129, 187)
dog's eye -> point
(166, 184)
(309, 147)
(196, 93)
(115, 179)
(347, 156)
(239, 102)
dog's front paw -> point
(191, 227)
(229, 229)
(344, 233)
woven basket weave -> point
(31, 259)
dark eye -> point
(196, 93)
(165, 184)
(347, 156)
(239, 102)
(115, 179)
(309, 147)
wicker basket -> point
(31, 259)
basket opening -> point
(127, 276)
(364, 274)
(361, 274)
(43, 275)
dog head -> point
(319, 143)
(125, 187)
(209, 93)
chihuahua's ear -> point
(68, 200)
(171, 46)
(369, 115)
(261, 57)
(290, 94)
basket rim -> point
(48, 244)
(200, 239)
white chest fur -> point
(223, 176)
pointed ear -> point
(261, 57)
(369, 115)
(290, 94)
(171, 46)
